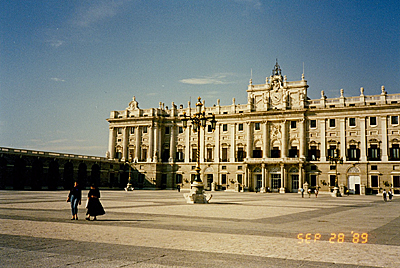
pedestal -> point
(197, 195)
(282, 190)
(129, 187)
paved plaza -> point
(158, 229)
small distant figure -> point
(316, 192)
(309, 193)
(75, 196)
(384, 195)
(179, 188)
(390, 194)
(348, 192)
(94, 207)
(302, 192)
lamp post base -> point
(129, 187)
(197, 195)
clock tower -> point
(277, 93)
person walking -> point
(390, 194)
(94, 207)
(302, 192)
(309, 193)
(75, 196)
(316, 192)
(384, 195)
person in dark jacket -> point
(94, 207)
(75, 196)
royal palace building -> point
(279, 141)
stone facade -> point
(279, 141)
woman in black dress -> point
(94, 207)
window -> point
(257, 126)
(374, 167)
(332, 123)
(241, 154)
(239, 178)
(257, 153)
(194, 154)
(179, 156)
(178, 178)
(223, 178)
(240, 167)
(144, 154)
(275, 152)
(332, 167)
(332, 180)
(132, 130)
(180, 130)
(165, 155)
(396, 181)
(353, 153)
(276, 181)
(374, 153)
(292, 124)
(145, 129)
(352, 122)
(240, 127)
(394, 152)
(332, 152)
(224, 155)
(223, 167)
(166, 130)
(224, 127)
(313, 180)
(293, 152)
(313, 123)
(119, 130)
(313, 153)
(372, 121)
(374, 181)
(395, 120)
(209, 129)
(209, 154)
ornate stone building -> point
(278, 141)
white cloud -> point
(57, 79)
(89, 15)
(217, 79)
(55, 43)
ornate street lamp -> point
(198, 121)
(336, 159)
(129, 185)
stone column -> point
(111, 142)
(233, 143)
(151, 144)
(172, 144)
(216, 153)
(300, 176)
(284, 140)
(249, 141)
(302, 140)
(125, 139)
(323, 140)
(156, 138)
(262, 190)
(137, 144)
(384, 139)
(342, 123)
(283, 179)
(363, 144)
(187, 144)
(265, 139)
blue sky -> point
(64, 65)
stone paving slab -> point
(158, 229)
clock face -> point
(276, 97)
